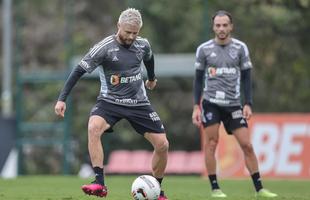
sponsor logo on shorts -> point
(233, 53)
(209, 115)
(154, 116)
(242, 121)
(237, 114)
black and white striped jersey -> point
(120, 70)
(222, 65)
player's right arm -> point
(198, 85)
(89, 63)
(74, 76)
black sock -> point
(257, 182)
(213, 181)
(99, 175)
(159, 180)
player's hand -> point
(196, 116)
(247, 112)
(150, 84)
(60, 108)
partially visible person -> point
(223, 68)
(122, 96)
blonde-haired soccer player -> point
(122, 96)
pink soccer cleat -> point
(162, 196)
(95, 189)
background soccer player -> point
(222, 64)
(122, 95)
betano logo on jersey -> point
(212, 71)
(117, 79)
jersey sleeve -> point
(147, 51)
(200, 63)
(245, 58)
(93, 58)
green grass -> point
(176, 187)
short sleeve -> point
(200, 62)
(147, 51)
(245, 62)
(94, 57)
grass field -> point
(177, 188)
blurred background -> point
(42, 40)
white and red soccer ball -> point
(145, 187)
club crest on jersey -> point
(233, 53)
(139, 55)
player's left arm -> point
(246, 82)
(150, 83)
(247, 91)
(148, 60)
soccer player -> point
(122, 95)
(222, 64)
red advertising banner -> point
(281, 143)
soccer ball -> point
(145, 187)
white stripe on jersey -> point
(246, 50)
(101, 44)
(92, 55)
(104, 85)
(202, 45)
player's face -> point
(222, 27)
(127, 33)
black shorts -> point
(231, 116)
(142, 118)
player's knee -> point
(95, 130)
(247, 148)
(162, 146)
(212, 144)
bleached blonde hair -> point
(130, 16)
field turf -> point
(176, 187)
